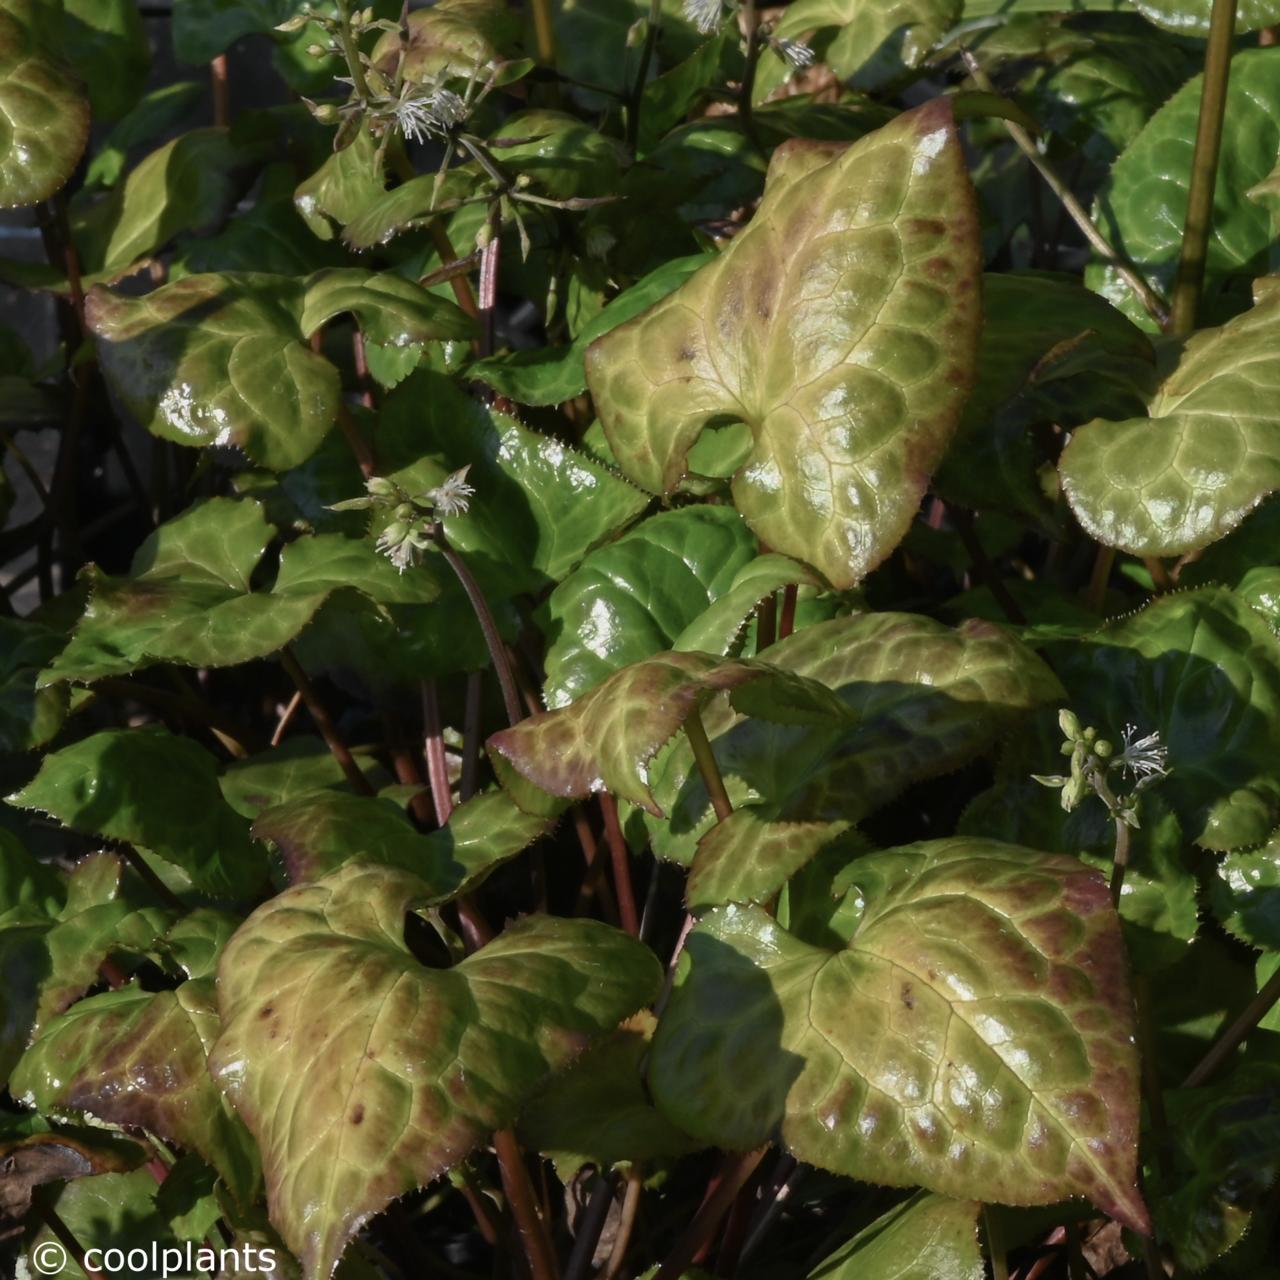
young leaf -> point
(920, 700)
(136, 1059)
(403, 1069)
(390, 310)
(1208, 453)
(975, 1037)
(46, 115)
(842, 326)
(606, 739)
(748, 858)
(632, 598)
(927, 1237)
(1245, 895)
(149, 788)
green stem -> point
(705, 759)
(1204, 169)
(1234, 1036)
(350, 51)
(1151, 300)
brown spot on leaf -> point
(357, 1113)
(908, 995)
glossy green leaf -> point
(841, 326)
(202, 29)
(29, 715)
(296, 767)
(748, 858)
(461, 37)
(44, 113)
(389, 309)
(153, 115)
(599, 1112)
(1201, 669)
(1208, 453)
(1245, 895)
(188, 184)
(30, 891)
(1052, 352)
(1142, 207)
(1191, 17)
(921, 700)
(540, 505)
(138, 1059)
(344, 186)
(1224, 1167)
(219, 359)
(632, 598)
(924, 1238)
(876, 41)
(319, 832)
(189, 600)
(147, 787)
(551, 375)
(402, 1070)
(606, 739)
(974, 1037)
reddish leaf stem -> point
(519, 1192)
(626, 1222)
(787, 621)
(221, 96)
(734, 1171)
(471, 736)
(433, 750)
(324, 722)
(590, 1224)
(766, 622)
(621, 865)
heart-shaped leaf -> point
(1209, 452)
(975, 1036)
(46, 116)
(920, 700)
(138, 1058)
(219, 359)
(401, 1070)
(841, 326)
(149, 788)
(606, 739)
(924, 1238)
(1142, 206)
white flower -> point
(452, 496)
(1145, 758)
(430, 111)
(704, 14)
(395, 543)
(795, 52)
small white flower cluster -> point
(704, 14)
(414, 519)
(428, 111)
(796, 52)
(1145, 757)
